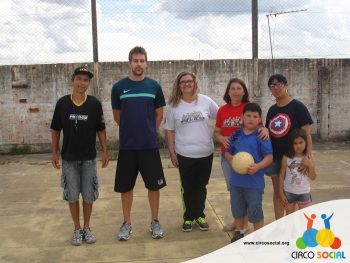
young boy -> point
(247, 189)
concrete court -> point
(36, 225)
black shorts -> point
(131, 162)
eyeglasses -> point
(183, 82)
(276, 85)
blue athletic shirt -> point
(137, 101)
(258, 148)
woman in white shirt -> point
(190, 144)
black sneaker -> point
(203, 225)
(187, 226)
(237, 235)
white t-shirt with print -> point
(296, 182)
(190, 121)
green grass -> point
(20, 149)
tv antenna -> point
(276, 14)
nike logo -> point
(125, 91)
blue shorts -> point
(79, 177)
(247, 201)
(300, 199)
(274, 168)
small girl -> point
(297, 169)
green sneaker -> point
(187, 226)
(202, 223)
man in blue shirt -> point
(137, 103)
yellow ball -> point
(325, 237)
(241, 161)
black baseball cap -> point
(82, 71)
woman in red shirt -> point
(229, 120)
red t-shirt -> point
(229, 119)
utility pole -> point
(255, 84)
(94, 30)
(95, 81)
(255, 28)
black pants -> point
(194, 174)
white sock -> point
(240, 231)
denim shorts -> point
(274, 168)
(226, 170)
(300, 199)
(247, 201)
(79, 177)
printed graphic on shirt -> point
(78, 117)
(233, 122)
(279, 125)
(296, 175)
(193, 116)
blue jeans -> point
(79, 177)
(247, 201)
(226, 170)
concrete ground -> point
(36, 225)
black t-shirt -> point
(281, 121)
(79, 125)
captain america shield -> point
(279, 125)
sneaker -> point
(203, 225)
(187, 226)
(77, 237)
(156, 229)
(237, 235)
(88, 237)
(231, 227)
(124, 232)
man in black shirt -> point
(80, 116)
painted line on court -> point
(344, 162)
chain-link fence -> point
(59, 31)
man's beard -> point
(138, 72)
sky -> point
(59, 31)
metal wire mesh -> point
(59, 31)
